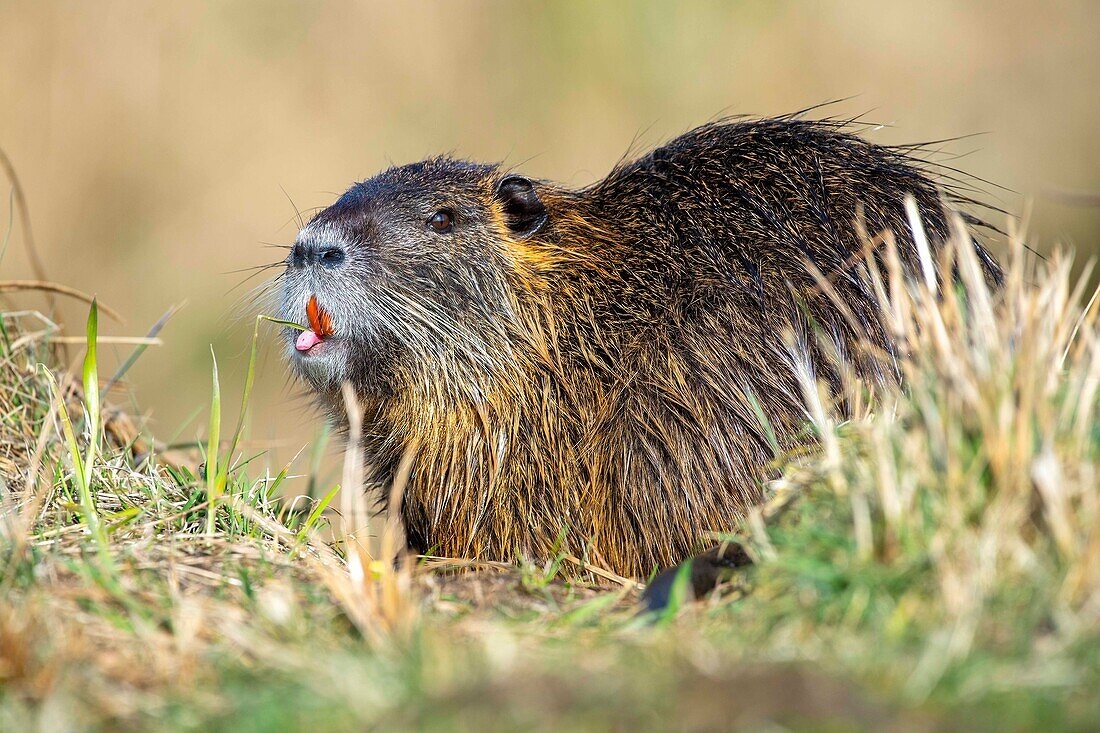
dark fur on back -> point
(582, 370)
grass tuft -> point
(84, 465)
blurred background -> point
(160, 144)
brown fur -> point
(598, 357)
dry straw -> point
(985, 452)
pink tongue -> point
(306, 341)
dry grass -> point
(933, 563)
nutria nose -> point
(311, 253)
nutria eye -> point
(441, 221)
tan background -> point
(155, 140)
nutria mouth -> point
(320, 327)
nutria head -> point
(405, 280)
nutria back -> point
(587, 370)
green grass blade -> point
(140, 348)
(249, 380)
(679, 594)
(317, 454)
(318, 510)
(213, 440)
(272, 489)
(280, 322)
(91, 388)
(222, 468)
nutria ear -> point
(524, 213)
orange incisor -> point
(319, 319)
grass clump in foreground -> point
(931, 563)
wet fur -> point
(589, 382)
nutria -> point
(585, 370)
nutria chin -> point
(584, 370)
